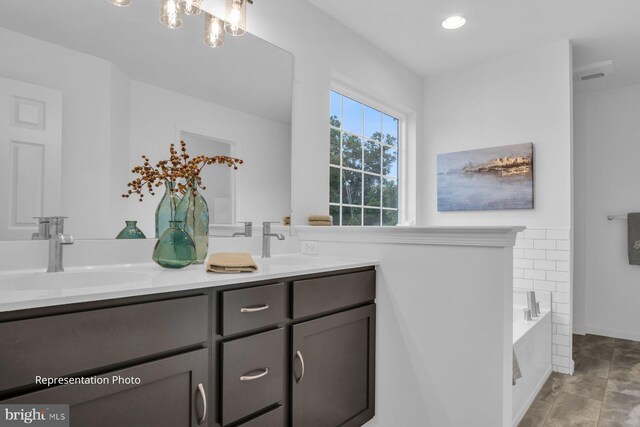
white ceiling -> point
(411, 31)
(247, 74)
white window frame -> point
(402, 142)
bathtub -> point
(532, 345)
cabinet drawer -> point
(252, 374)
(274, 418)
(252, 308)
(65, 344)
(324, 294)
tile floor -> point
(603, 392)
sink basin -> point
(70, 280)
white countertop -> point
(26, 289)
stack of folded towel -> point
(320, 220)
(230, 262)
(633, 220)
(286, 220)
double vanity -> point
(290, 345)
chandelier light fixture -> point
(213, 31)
(171, 12)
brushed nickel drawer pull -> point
(204, 402)
(264, 372)
(254, 308)
(299, 356)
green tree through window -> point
(363, 171)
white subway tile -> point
(558, 276)
(535, 234)
(563, 361)
(554, 327)
(535, 254)
(560, 319)
(562, 340)
(544, 285)
(518, 253)
(558, 255)
(558, 234)
(562, 369)
(562, 308)
(563, 266)
(544, 244)
(562, 329)
(540, 264)
(562, 297)
(562, 287)
(523, 283)
(523, 263)
(563, 350)
(554, 349)
(535, 274)
(524, 244)
(563, 245)
(518, 273)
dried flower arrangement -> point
(180, 169)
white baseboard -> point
(624, 335)
(531, 398)
(579, 330)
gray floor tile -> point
(599, 340)
(622, 402)
(586, 386)
(537, 414)
(610, 423)
(592, 366)
(624, 368)
(551, 387)
(570, 410)
(599, 351)
(627, 349)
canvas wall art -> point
(495, 178)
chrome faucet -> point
(54, 232)
(532, 304)
(248, 230)
(266, 238)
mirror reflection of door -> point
(218, 180)
(30, 156)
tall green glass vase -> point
(174, 249)
(166, 210)
(194, 212)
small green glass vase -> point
(194, 212)
(166, 209)
(174, 249)
(131, 231)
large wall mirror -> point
(87, 88)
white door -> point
(30, 156)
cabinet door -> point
(334, 369)
(171, 393)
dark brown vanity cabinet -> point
(298, 352)
(334, 369)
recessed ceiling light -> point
(454, 22)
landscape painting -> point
(496, 178)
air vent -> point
(594, 71)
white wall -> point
(607, 152)
(326, 50)
(158, 115)
(518, 99)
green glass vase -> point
(166, 210)
(174, 249)
(194, 212)
(131, 231)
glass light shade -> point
(121, 3)
(192, 7)
(213, 31)
(236, 20)
(171, 13)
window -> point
(363, 171)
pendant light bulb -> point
(236, 21)
(171, 13)
(120, 3)
(192, 7)
(213, 31)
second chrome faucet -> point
(266, 238)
